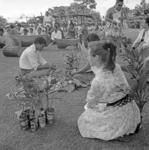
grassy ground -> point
(63, 135)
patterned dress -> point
(103, 117)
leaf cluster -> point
(139, 74)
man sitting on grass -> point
(31, 62)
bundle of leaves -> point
(138, 74)
(66, 82)
(72, 62)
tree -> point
(3, 21)
(87, 3)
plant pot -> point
(50, 115)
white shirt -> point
(56, 35)
(116, 16)
(48, 20)
(31, 59)
(145, 38)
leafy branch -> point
(139, 74)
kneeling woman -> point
(109, 112)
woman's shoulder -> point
(117, 66)
(118, 71)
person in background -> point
(31, 60)
(31, 31)
(109, 112)
(71, 31)
(141, 44)
(56, 34)
(19, 29)
(84, 33)
(48, 19)
(12, 41)
(84, 73)
(84, 50)
(48, 30)
(25, 31)
(33, 65)
(39, 31)
(116, 14)
(114, 23)
(2, 38)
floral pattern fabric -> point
(108, 122)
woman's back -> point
(107, 86)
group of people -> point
(109, 113)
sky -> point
(13, 9)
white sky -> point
(14, 8)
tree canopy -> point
(87, 3)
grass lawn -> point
(64, 134)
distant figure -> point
(31, 60)
(114, 24)
(19, 29)
(84, 51)
(114, 19)
(33, 65)
(25, 31)
(142, 41)
(12, 41)
(56, 34)
(39, 31)
(31, 31)
(141, 44)
(84, 33)
(71, 31)
(48, 19)
(2, 38)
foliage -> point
(139, 74)
(87, 3)
(71, 63)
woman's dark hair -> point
(40, 40)
(107, 52)
(147, 20)
(117, 1)
(91, 38)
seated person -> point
(142, 42)
(84, 49)
(31, 62)
(31, 31)
(25, 31)
(56, 34)
(2, 38)
(84, 33)
(109, 112)
(71, 31)
(12, 42)
(40, 31)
